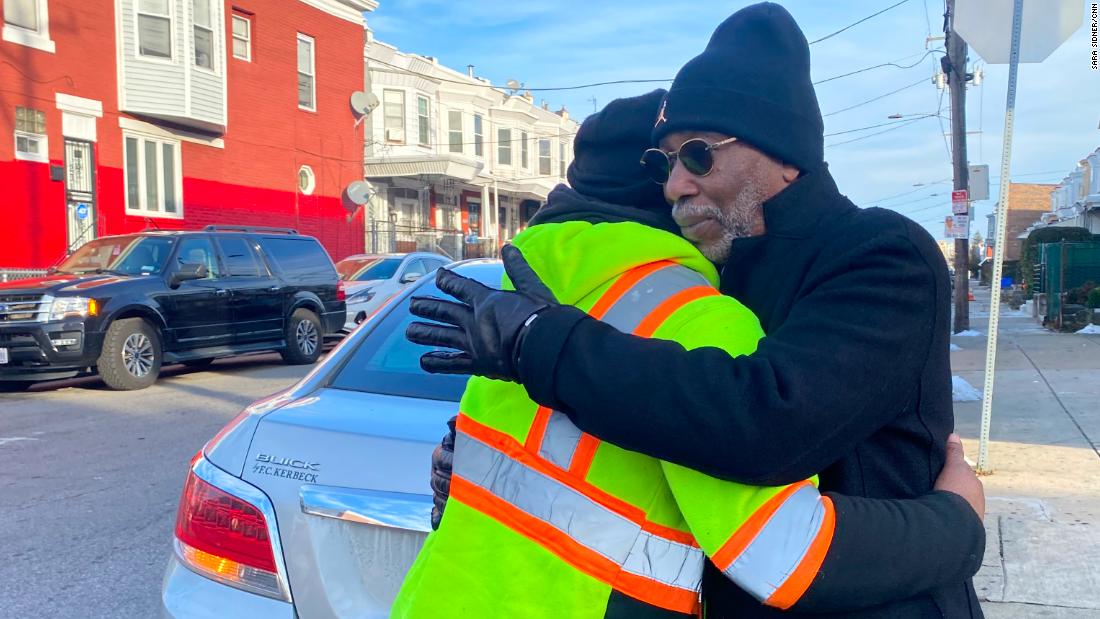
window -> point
(22, 13)
(479, 137)
(561, 159)
(240, 260)
(504, 146)
(154, 23)
(416, 269)
(27, 22)
(394, 103)
(544, 157)
(307, 182)
(131, 255)
(454, 131)
(306, 91)
(242, 37)
(198, 250)
(422, 121)
(367, 269)
(30, 135)
(523, 160)
(204, 34)
(153, 176)
(298, 257)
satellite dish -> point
(513, 85)
(363, 102)
(360, 192)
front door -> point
(197, 312)
(255, 295)
(80, 202)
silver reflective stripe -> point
(647, 294)
(560, 440)
(780, 546)
(588, 523)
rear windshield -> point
(387, 363)
(298, 256)
(364, 269)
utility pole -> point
(954, 68)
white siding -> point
(174, 89)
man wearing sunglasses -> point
(852, 380)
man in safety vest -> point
(547, 521)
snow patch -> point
(962, 391)
(1090, 330)
(955, 347)
(969, 333)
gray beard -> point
(737, 221)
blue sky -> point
(570, 42)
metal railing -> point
(388, 237)
(11, 274)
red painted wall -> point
(253, 180)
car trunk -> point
(348, 474)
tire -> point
(131, 355)
(14, 386)
(303, 338)
(198, 364)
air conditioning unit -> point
(395, 135)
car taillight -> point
(341, 291)
(225, 538)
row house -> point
(456, 165)
(123, 115)
(1026, 203)
(1075, 202)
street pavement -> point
(1043, 501)
(90, 480)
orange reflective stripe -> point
(582, 457)
(569, 550)
(670, 305)
(803, 576)
(623, 284)
(538, 429)
(740, 540)
(514, 450)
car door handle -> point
(275, 289)
(411, 512)
(221, 292)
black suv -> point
(123, 305)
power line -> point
(887, 130)
(922, 187)
(853, 24)
(893, 122)
(873, 99)
(879, 66)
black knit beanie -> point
(608, 149)
(752, 82)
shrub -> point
(1093, 300)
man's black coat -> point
(852, 382)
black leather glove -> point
(486, 327)
(442, 458)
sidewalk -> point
(1043, 499)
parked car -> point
(123, 306)
(373, 279)
(314, 502)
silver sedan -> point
(314, 501)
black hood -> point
(65, 284)
(565, 204)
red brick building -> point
(129, 114)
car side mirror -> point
(186, 272)
(408, 278)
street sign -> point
(987, 27)
(960, 227)
(979, 182)
(81, 211)
(959, 204)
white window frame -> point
(311, 185)
(458, 147)
(385, 117)
(423, 122)
(172, 43)
(38, 39)
(479, 135)
(561, 159)
(247, 38)
(524, 151)
(548, 158)
(212, 29)
(505, 144)
(142, 210)
(305, 38)
(43, 156)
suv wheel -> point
(131, 355)
(303, 338)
